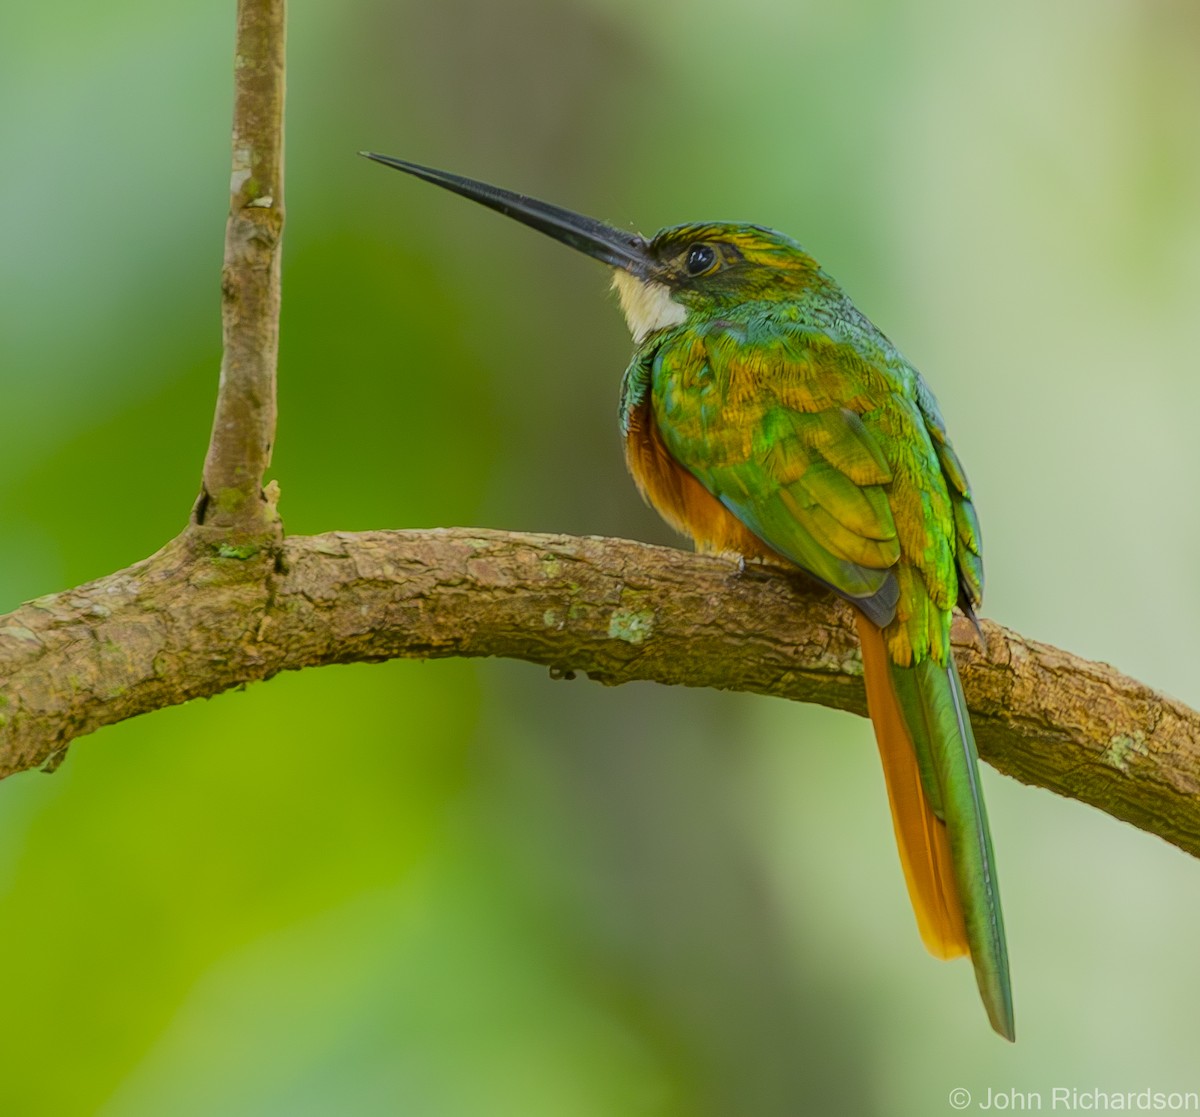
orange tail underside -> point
(920, 834)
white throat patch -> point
(648, 306)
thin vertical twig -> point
(233, 501)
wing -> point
(770, 421)
(969, 549)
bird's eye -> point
(700, 258)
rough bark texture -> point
(188, 622)
(232, 500)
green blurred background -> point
(514, 896)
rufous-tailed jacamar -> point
(765, 416)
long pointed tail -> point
(931, 771)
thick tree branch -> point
(232, 502)
(187, 623)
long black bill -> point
(620, 249)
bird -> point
(767, 418)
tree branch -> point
(187, 623)
(232, 502)
(231, 602)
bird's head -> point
(701, 268)
(708, 268)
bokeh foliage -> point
(464, 889)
